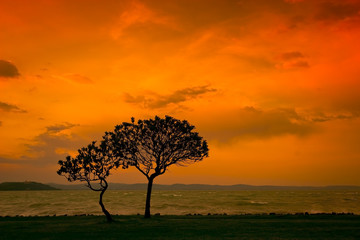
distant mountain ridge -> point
(203, 187)
(24, 186)
(30, 185)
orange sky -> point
(274, 86)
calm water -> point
(177, 202)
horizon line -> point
(207, 184)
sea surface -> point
(77, 202)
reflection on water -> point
(63, 202)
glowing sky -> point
(274, 86)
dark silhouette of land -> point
(207, 187)
(19, 186)
(183, 227)
(25, 186)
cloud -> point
(249, 122)
(332, 10)
(161, 101)
(0, 123)
(297, 64)
(55, 136)
(79, 78)
(291, 55)
(292, 60)
(254, 123)
(138, 14)
(8, 69)
(135, 99)
(48, 147)
(74, 77)
(59, 127)
(322, 117)
(6, 107)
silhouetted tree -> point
(92, 165)
(155, 144)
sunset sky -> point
(273, 86)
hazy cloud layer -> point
(291, 55)
(74, 78)
(338, 10)
(322, 117)
(161, 101)
(8, 69)
(50, 146)
(78, 78)
(6, 107)
(250, 122)
(292, 60)
(139, 16)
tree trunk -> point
(148, 197)
(107, 214)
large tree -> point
(92, 165)
(153, 145)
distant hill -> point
(204, 187)
(24, 186)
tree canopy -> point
(92, 165)
(153, 145)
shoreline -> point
(191, 214)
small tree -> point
(91, 165)
(153, 145)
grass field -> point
(183, 227)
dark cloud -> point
(292, 60)
(135, 99)
(338, 10)
(6, 107)
(326, 10)
(296, 21)
(250, 122)
(60, 127)
(8, 70)
(291, 55)
(161, 101)
(0, 123)
(322, 117)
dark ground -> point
(183, 227)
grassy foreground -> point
(183, 227)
